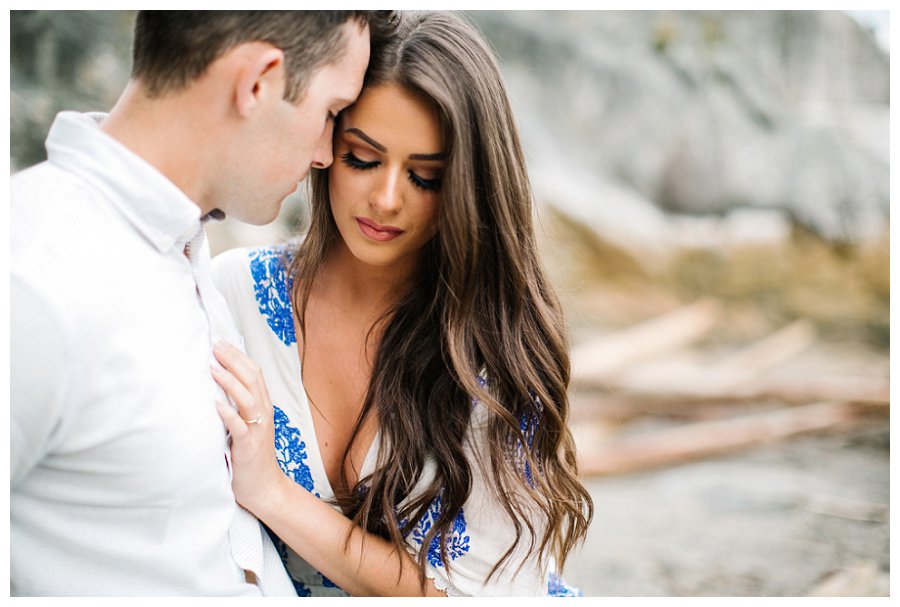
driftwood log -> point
(703, 439)
(598, 361)
(655, 368)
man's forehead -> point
(346, 74)
(344, 101)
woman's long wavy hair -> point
(480, 307)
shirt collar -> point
(146, 197)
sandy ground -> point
(808, 516)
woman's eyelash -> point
(430, 185)
(353, 162)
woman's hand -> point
(256, 474)
(364, 565)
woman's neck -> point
(354, 285)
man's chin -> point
(215, 214)
(256, 217)
(259, 219)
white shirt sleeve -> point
(38, 377)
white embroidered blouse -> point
(257, 288)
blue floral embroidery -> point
(301, 588)
(273, 291)
(528, 423)
(280, 546)
(556, 586)
(290, 450)
(316, 580)
(481, 382)
(282, 549)
(457, 541)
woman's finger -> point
(233, 422)
(247, 403)
(242, 367)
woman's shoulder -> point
(238, 258)
(270, 263)
(257, 284)
(250, 277)
(244, 264)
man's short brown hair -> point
(172, 48)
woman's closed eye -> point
(352, 161)
(431, 185)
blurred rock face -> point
(62, 60)
(703, 112)
(625, 114)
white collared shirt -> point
(119, 482)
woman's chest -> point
(336, 373)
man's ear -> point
(261, 76)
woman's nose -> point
(386, 196)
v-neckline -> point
(306, 406)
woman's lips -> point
(376, 231)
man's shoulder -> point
(26, 173)
(41, 179)
(66, 236)
(44, 197)
(47, 208)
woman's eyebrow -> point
(366, 138)
(359, 133)
(439, 156)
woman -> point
(414, 351)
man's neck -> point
(164, 132)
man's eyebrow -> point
(381, 148)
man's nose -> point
(324, 155)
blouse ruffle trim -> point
(436, 578)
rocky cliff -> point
(632, 118)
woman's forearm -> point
(367, 565)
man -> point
(120, 482)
